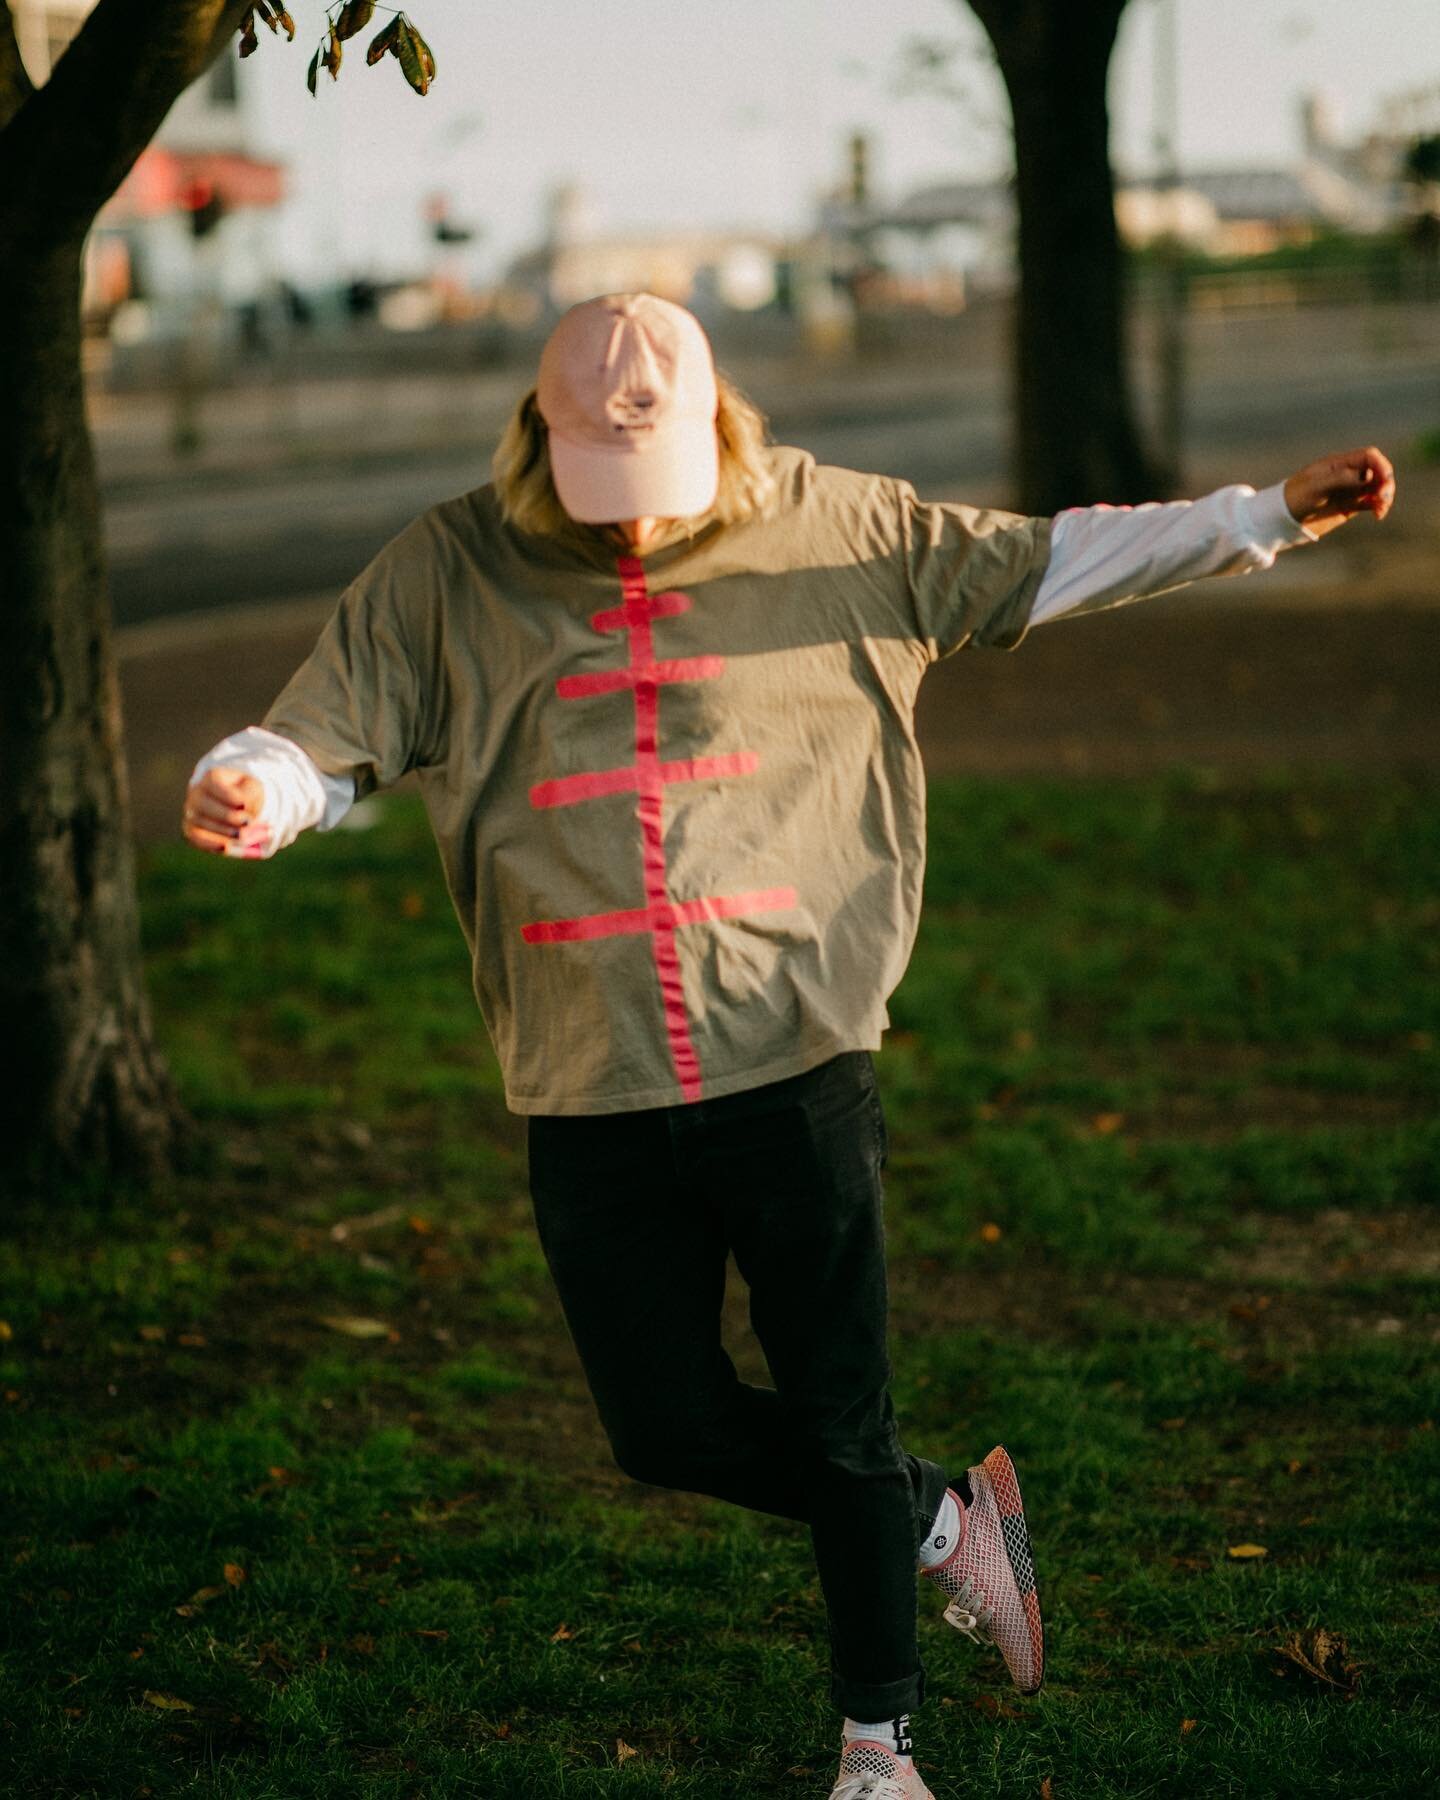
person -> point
(657, 681)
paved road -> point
(266, 529)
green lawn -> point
(1163, 1213)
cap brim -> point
(675, 477)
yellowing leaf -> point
(333, 55)
(354, 16)
(623, 1751)
(1241, 1552)
(167, 1702)
(383, 40)
(412, 61)
(356, 1327)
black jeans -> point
(636, 1212)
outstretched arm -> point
(1103, 556)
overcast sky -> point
(687, 111)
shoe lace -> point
(868, 1787)
(969, 1612)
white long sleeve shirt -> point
(1101, 557)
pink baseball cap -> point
(627, 387)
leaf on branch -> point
(265, 13)
(312, 71)
(383, 41)
(249, 43)
(355, 15)
(333, 54)
(285, 19)
(414, 55)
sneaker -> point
(990, 1575)
(870, 1771)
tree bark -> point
(86, 1090)
(1077, 441)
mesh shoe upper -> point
(990, 1578)
(869, 1771)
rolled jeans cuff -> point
(878, 1699)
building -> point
(200, 171)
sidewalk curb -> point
(223, 624)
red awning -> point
(161, 177)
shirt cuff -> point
(1272, 526)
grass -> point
(1162, 1209)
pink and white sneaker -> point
(871, 1771)
(990, 1575)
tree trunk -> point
(1077, 440)
(86, 1090)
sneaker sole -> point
(998, 1466)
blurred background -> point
(308, 320)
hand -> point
(1326, 493)
(221, 810)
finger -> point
(201, 810)
(230, 789)
(202, 839)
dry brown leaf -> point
(7, 1331)
(624, 1751)
(1323, 1654)
(1187, 1726)
(1172, 1424)
(350, 1326)
(1244, 1552)
(192, 1340)
(1047, 1789)
(990, 1233)
(234, 1574)
(152, 1334)
(1103, 1124)
(561, 1634)
(167, 1702)
(992, 1708)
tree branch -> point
(16, 86)
(72, 142)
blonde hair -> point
(526, 488)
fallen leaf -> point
(422, 1631)
(167, 1702)
(192, 1340)
(623, 1751)
(1323, 1654)
(417, 1224)
(152, 1334)
(234, 1574)
(634, 1646)
(413, 905)
(282, 1477)
(363, 1644)
(1242, 1552)
(1103, 1124)
(561, 1634)
(1187, 1726)
(992, 1708)
(1172, 1424)
(357, 1327)
(7, 1331)
(990, 1234)
(1047, 1789)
